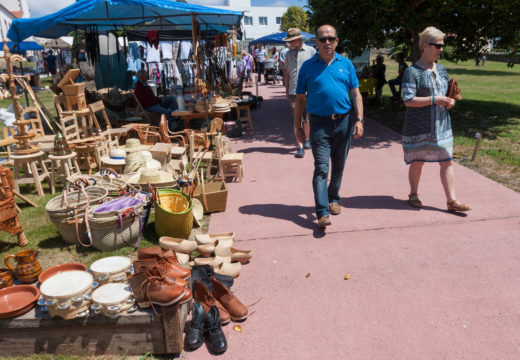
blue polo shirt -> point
(327, 86)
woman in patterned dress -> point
(427, 135)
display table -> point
(132, 334)
(187, 116)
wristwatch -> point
(361, 119)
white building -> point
(258, 21)
(10, 10)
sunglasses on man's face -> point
(331, 39)
(437, 46)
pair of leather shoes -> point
(206, 326)
(229, 305)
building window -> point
(248, 20)
(262, 20)
(278, 20)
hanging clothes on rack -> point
(134, 57)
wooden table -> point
(8, 141)
(131, 334)
(187, 116)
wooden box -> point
(214, 196)
(161, 152)
(132, 334)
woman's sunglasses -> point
(331, 39)
(437, 46)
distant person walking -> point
(51, 65)
(399, 79)
(297, 54)
(328, 79)
(379, 72)
(261, 55)
(427, 134)
(483, 61)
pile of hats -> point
(220, 106)
(202, 106)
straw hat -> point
(151, 163)
(198, 211)
(116, 156)
(133, 145)
(151, 176)
(134, 162)
(293, 34)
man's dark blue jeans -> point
(392, 84)
(330, 139)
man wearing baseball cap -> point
(295, 57)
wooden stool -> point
(31, 171)
(86, 156)
(246, 107)
(64, 166)
(76, 102)
(230, 164)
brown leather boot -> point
(202, 294)
(149, 253)
(153, 264)
(187, 296)
(150, 288)
(236, 309)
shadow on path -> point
(482, 72)
(386, 202)
(302, 216)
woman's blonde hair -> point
(428, 35)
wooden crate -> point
(215, 198)
(132, 334)
(161, 152)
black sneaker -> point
(300, 153)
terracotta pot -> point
(27, 268)
(6, 277)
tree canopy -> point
(295, 17)
(468, 24)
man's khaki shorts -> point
(292, 102)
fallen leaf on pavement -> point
(346, 277)
(308, 275)
(237, 328)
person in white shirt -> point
(261, 54)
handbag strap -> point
(134, 212)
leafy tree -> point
(295, 17)
(469, 24)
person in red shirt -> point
(152, 103)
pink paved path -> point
(425, 284)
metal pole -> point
(477, 145)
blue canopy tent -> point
(107, 15)
(277, 38)
(23, 46)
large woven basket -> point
(173, 215)
(67, 212)
(113, 185)
(113, 230)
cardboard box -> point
(214, 198)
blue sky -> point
(44, 7)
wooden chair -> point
(8, 132)
(169, 136)
(106, 129)
(230, 165)
(36, 121)
(8, 215)
(140, 111)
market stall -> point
(141, 299)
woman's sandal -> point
(455, 206)
(413, 199)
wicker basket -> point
(67, 212)
(173, 215)
(113, 229)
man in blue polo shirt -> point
(327, 79)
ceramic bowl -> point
(17, 300)
(60, 268)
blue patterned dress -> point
(427, 134)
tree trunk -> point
(416, 51)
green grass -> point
(490, 106)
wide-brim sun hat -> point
(293, 34)
(198, 211)
(134, 162)
(133, 145)
(152, 176)
(116, 157)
